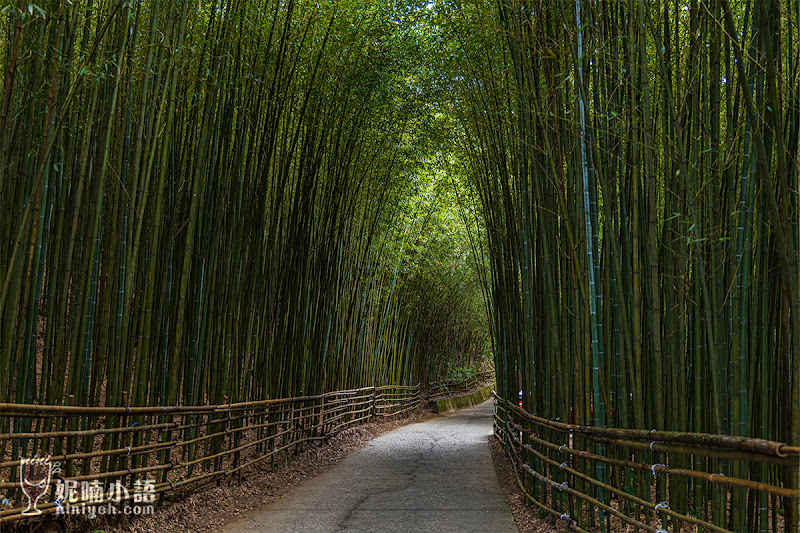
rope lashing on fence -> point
(653, 468)
(569, 519)
(572, 526)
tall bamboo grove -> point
(193, 202)
(637, 162)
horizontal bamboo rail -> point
(533, 446)
(182, 445)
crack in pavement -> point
(342, 525)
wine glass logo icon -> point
(34, 478)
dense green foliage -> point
(215, 201)
(637, 163)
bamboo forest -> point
(231, 227)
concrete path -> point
(433, 476)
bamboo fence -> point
(180, 445)
(549, 454)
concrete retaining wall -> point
(466, 400)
